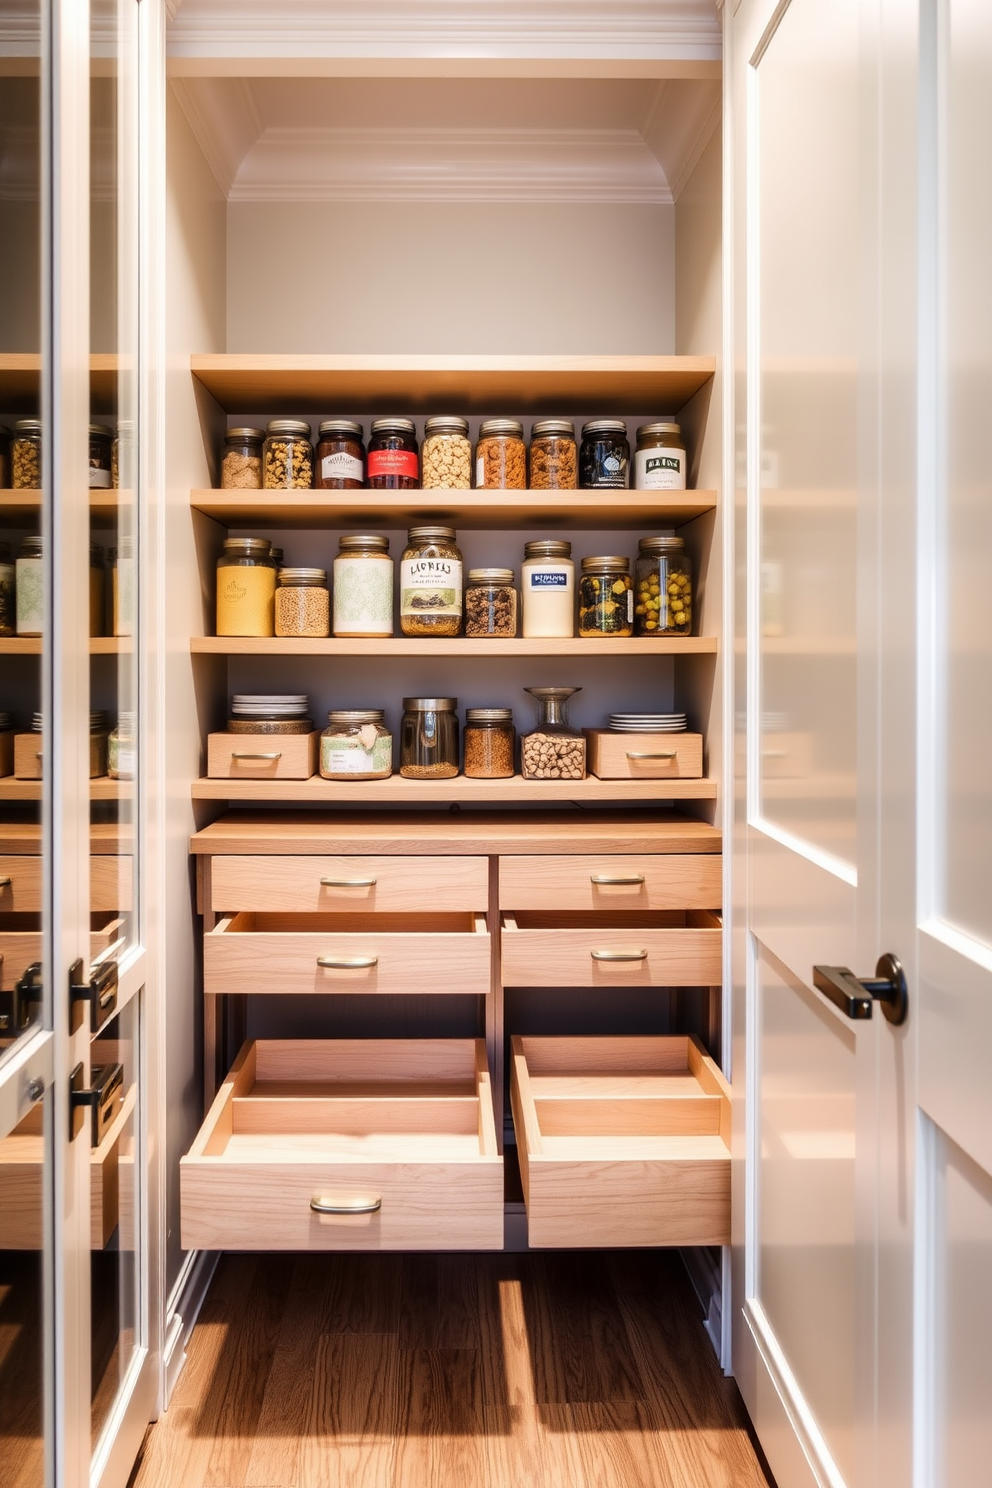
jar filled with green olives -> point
(663, 589)
(606, 600)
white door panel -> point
(802, 912)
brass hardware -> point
(241, 754)
(619, 955)
(637, 754)
(347, 963)
(361, 1204)
(619, 878)
(347, 883)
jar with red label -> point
(393, 458)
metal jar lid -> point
(446, 424)
(101, 431)
(27, 426)
(553, 429)
(298, 427)
(596, 427)
(490, 575)
(610, 561)
(645, 431)
(397, 425)
(429, 705)
(364, 542)
(343, 427)
(488, 715)
(501, 428)
(656, 545)
(356, 715)
(31, 547)
(255, 547)
(127, 720)
(431, 534)
(304, 576)
(6, 721)
(37, 723)
(242, 436)
(548, 547)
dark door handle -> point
(856, 996)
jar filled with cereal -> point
(302, 603)
(606, 597)
(446, 458)
(663, 593)
(489, 743)
(288, 455)
(501, 456)
(491, 603)
(241, 467)
(25, 455)
(246, 588)
(553, 458)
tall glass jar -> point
(554, 751)
(356, 745)
(659, 459)
(547, 582)
(501, 456)
(121, 747)
(429, 738)
(606, 597)
(604, 457)
(302, 602)
(287, 455)
(246, 588)
(340, 456)
(663, 597)
(8, 591)
(241, 466)
(363, 586)
(98, 590)
(25, 455)
(553, 457)
(123, 453)
(393, 458)
(101, 450)
(489, 743)
(431, 583)
(30, 587)
(123, 589)
(490, 603)
(446, 457)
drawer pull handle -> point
(347, 963)
(347, 883)
(361, 1204)
(241, 754)
(5, 883)
(640, 754)
(616, 878)
(619, 955)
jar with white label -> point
(431, 583)
(30, 588)
(340, 456)
(659, 460)
(356, 745)
(547, 585)
(363, 586)
(121, 748)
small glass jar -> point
(123, 591)
(246, 588)
(4, 456)
(547, 582)
(121, 748)
(553, 457)
(340, 456)
(101, 452)
(356, 745)
(431, 583)
(606, 597)
(302, 602)
(8, 591)
(501, 456)
(29, 584)
(659, 459)
(98, 590)
(287, 455)
(446, 459)
(99, 738)
(363, 586)
(490, 603)
(25, 455)
(241, 466)
(490, 739)
(604, 456)
(429, 738)
(393, 458)
(663, 592)
(554, 751)
(122, 457)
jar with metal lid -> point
(393, 458)
(124, 451)
(606, 597)
(121, 748)
(604, 456)
(4, 456)
(123, 591)
(25, 455)
(287, 455)
(101, 449)
(553, 458)
(8, 591)
(431, 583)
(490, 602)
(363, 586)
(246, 588)
(663, 592)
(29, 585)
(659, 459)
(554, 751)
(98, 590)
(302, 602)
(490, 739)
(547, 582)
(356, 745)
(501, 456)
(241, 466)
(340, 456)
(446, 457)
(429, 738)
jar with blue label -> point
(547, 583)
(659, 460)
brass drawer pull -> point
(616, 878)
(361, 1204)
(5, 883)
(639, 754)
(347, 963)
(241, 754)
(347, 883)
(619, 955)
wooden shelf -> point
(456, 384)
(20, 382)
(21, 508)
(101, 789)
(99, 645)
(399, 791)
(399, 646)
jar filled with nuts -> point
(363, 586)
(429, 738)
(241, 467)
(393, 458)
(288, 455)
(340, 456)
(303, 603)
(606, 598)
(553, 460)
(490, 602)
(489, 743)
(446, 458)
(663, 595)
(431, 583)
(604, 457)
(554, 751)
(25, 455)
(501, 456)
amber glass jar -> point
(501, 456)
(393, 458)
(340, 456)
(553, 457)
(429, 738)
(431, 583)
(606, 598)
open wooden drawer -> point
(348, 1144)
(622, 1141)
(21, 942)
(607, 948)
(370, 953)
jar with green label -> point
(363, 586)
(356, 745)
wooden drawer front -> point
(111, 883)
(622, 1141)
(262, 756)
(385, 1144)
(21, 884)
(662, 881)
(27, 756)
(644, 756)
(655, 949)
(339, 884)
(20, 947)
(273, 953)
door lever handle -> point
(856, 996)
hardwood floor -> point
(555, 1370)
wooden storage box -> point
(653, 948)
(612, 756)
(622, 1141)
(262, 756)
(612, 881)
(311, 884)
(27, 756)
(356, 1144)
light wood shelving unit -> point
(99, 645)
(101, 789)
(460, 788)
(644, 647)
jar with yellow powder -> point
(246, 587)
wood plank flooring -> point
(555, 1370)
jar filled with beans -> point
(446, 458)
(606, 597)
(489, 743)
(241, 466)
(288, 455)
(501, 456)
(663, 591)
(303, 603)
(554, 751)
(553, 459)
(490, 603)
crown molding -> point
(225, 122)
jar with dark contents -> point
(340, 456)
(393, 458)
(101, 450)
(604, 457)
(553, 460)
(8, 591)
(490, 603)
(489, 743)
(429, 738)
(606, 598)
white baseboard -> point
(181, 1313)
(706, 1275)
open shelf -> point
(397, 790)
(20, 382)
(99, 645)
(396, 646)
(24, 507)
(101, 789)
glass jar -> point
(101, 450)
(246, 588)
(553, 458)
(98, 590)
(663, 598)
(122, 456)
(340, 456)
(29, 585)
(431, 583)
(606, 597)
(659, 459)
(123, 592)
(501, 456)
(447, 455)
(287, 455)
(241, 466)
(393, 459)
(121, 752)
(356, 745)
(6, 743)
(554, 751)
(490, 603)
(25, 455)
(8, 591)
(547, 582)
(604, 457)
(302, 602)
(363, 586)
(99, 739)
(489, 743)
(4, 456)
(429, 738)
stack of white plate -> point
(648, 723)
(270, 705)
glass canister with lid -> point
(501, 456)
(604, 456)
(124, 451)
(356, 745)
(393, 458)
(553, 458)
(30, 587)
(340, 456)
(547, 582)
(302, 602)
(25, 455)
(8, 591)
(446, 458)
(287, 455)
(489, 743)
(98, 590)
(123, 591)
(659, 459)
(363, 586)
(663, 596)
(429, 738)
(246, 588)
(431, 583)
(101, 461)
(606, 598)
(490, 602)
(241, 465)
(121, 750)
(554, 751)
